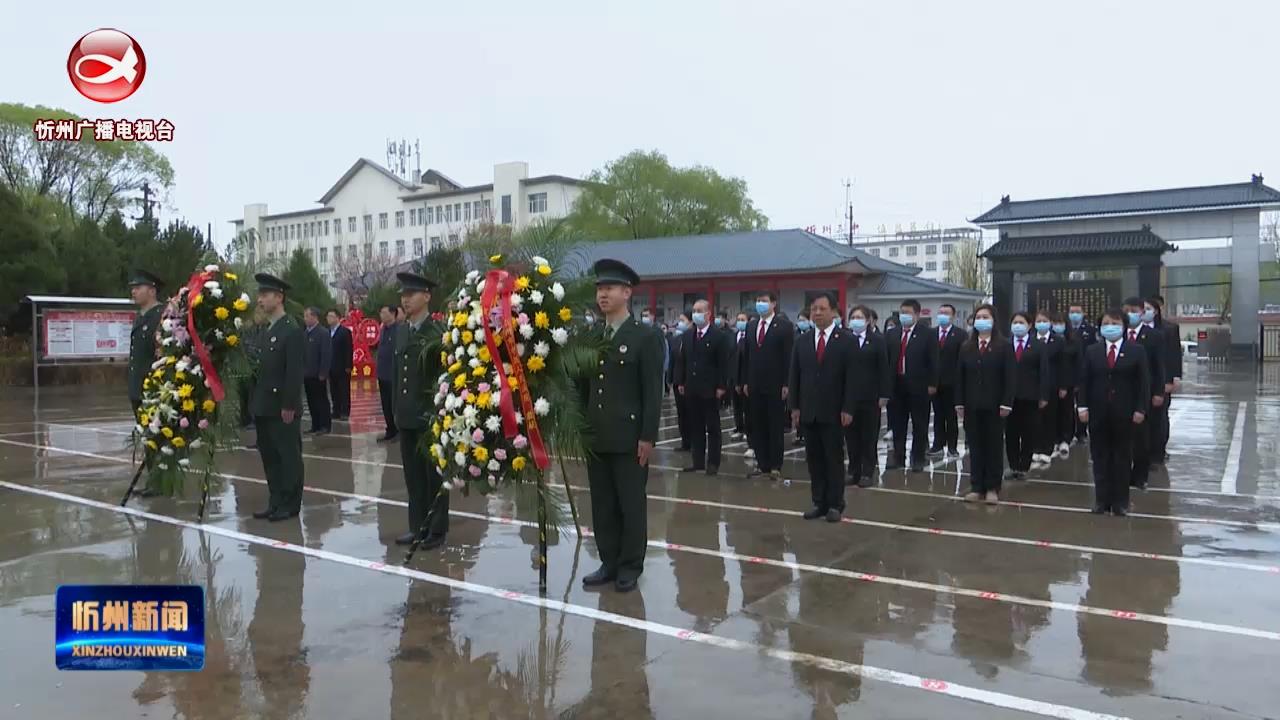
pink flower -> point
(184, 423)
(500, 454)
(475, 471)
(203, 424)
(444, 387)
(524, 318)
(492, 479)
(520, 442)
(484, 387)
(477, 436)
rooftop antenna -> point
(848, 201)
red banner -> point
(194, 287)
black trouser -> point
(318, 402)
(340, 389)
(1159, 419)
(983, 434)
(739, 412)
(388, 405)
(246, 392)
(1046, 424)
(1020, 434)
(766, 427)
(619, 512)
(904, 406)
(704, 425)
(861, 438)
(824, 453)
(1112, 438)
(1067, 418)
(682, 420)
(280, 446)
(1143, 442)
(946, 430)
(423, 482)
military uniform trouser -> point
(422, 481)
(619, 511)
(280, 446)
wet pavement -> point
(917, 606)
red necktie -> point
(822, 344)
(982, 347)
(902, 354)
(1018, 351)
(760, 335)
(942, 337)
(1133, 336)
(1111, 357)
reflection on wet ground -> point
(918, 606)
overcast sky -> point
(934, 109)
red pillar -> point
(653, 302)
(842, 289)
(711, 296)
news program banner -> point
(129, 627)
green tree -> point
(28, 263)
(173, 254)
(92, 261)
(447, 267)
(379, 295)
(967, 268)
(308, 288)
(642, 195)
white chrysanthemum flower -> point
(493, 423)
(560, 335)
(196, 369)
(166, 449)
(219, 334)
(157, 363)
(520, 349)
(474, 362)
(535, 297)
(539, 260)
(541, 406)
(454, 337)
(184, 462)
(211, 268)
(238, 323)
(469, 414)
(167, 324)
(519, 418)
(480, 286)
(163, 466)
(493, 466)
(195, 443)
(472, 321)
(479, 335)
(216, 293)
(557, 291)
(165, 341)
(516, 300)
(541, 348)
(460, 458)
(495, 399)
(472, 276)
(139, 429)
(472, 351)
(244, 296)
(526, 331)
(211, 284)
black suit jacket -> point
(1059, 372)
(1069, 367)
(318, 360)
(1034, 375)
(986, 380)
(1120, 389)
(1152, 342)
(922, 358)
(949, 355)
(872, 376)
(767, 364)
(737, 358)
(1173, 349)
(704, 365)
(342, 350)
(820, 391)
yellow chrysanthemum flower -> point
(495, 259)
(188, 405)
(146, 383)
(541, 320)
(230, 276)
(565, 314)
(442, 462)
(512, 383)
(241, 305)
(522, 282)
(455, 367)
(483, 399)
(433, 452)
(444, 357)
(480, 453)
(544, 270)
(467, 337)
(480, 371)
(195, 301)
(185, 391)
(178, 442)
(460, 319)
(536, 363)
(167, 432)
(233, 340)
(152, 444)
(170, 360)
(157, 373)
(221, 313)
(179, 375)
(447, 422)
(208, 406)
(518, 463)
(460, 381)
(143, 418)
(483, 355)
(435, 429)
(471, 399)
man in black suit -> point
(737, 375)
(702, 382)
(1173, 370)
(675, 343)
(386, 362)
(872, 386)
(768, 352)
(1080, 330)
(946, 431)
(340, 370)
(315, 371)
(1115, 382)
(913, 357)
(1154, 348)
(821, 392)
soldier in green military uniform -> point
(277, 401)
(413, 387)
(143, 290)
(623, 402)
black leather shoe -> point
(405, 539)
(935, 452)
(597, 578)
(1138, 485)
(692, 469)
(387, 438)
(321, 431)
(1119, 511)
(279, 515)
(624, 585)
(432, 541)
(1098, 509)
(865, 481)
(917, 466)
(713, 469)
(264, 514)
(814, 513)
(893, 464)
(833, 516)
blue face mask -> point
(1076, 319)
(762, 307)
(857, 324)
(1042, 326)
(1111, 332)
(1019, 329)
(944, 319)
(1134, 319)
(1148, 316)
(742, 325)
(682, 326)
(906, 319)
(835, 322)
(983, 324)
(646, 319)
(700, 319)
(1060, 329)
(804, 325)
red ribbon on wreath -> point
(194, 287)
(497, 289)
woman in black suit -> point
(1031, 395)
(984, 398)
(1053, 346)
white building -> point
(927, 250)
(371, 212)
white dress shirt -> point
(822, 334)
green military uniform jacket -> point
(142, 350)
(624, 395)
(279, 385)
(415, 375)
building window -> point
(382, 248)
(930, 265)
(488, 209)
(476, 210)
(368, 250)
(930, 249)
(382, 221)
(448, 213)
(466, 211)
(337, 252)
(337, 226)
(351, 224)
(417, 247)
(324, 256)
(506, 209)
(413, 216)
(457, 212)
(945, 264)
(913, 264)
(400, 248)
(893, 252)
(537, 202)
(431, 215)
(351, 252)
(435, 242)
(874, 252)
(946, 248)
(453, 238)
(368, 223)
(399, 218)
(912, 250)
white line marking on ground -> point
(1232, 470)
(894, 677)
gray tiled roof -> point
(735, 253)
(1247, 194)
(903, 286)
(1084, 243)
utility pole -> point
(147, 202)
(848, 201)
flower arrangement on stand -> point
(509, 397)
(190, 400)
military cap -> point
(413, 282)
(614, 272)
(142, 277)
(269, 282)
